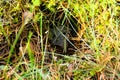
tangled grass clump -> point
(59, 39)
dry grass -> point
(59, 40)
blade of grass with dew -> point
(14, 43)
(31, 56)
(27, 16)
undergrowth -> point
(59, 40)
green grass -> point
(27, 31)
